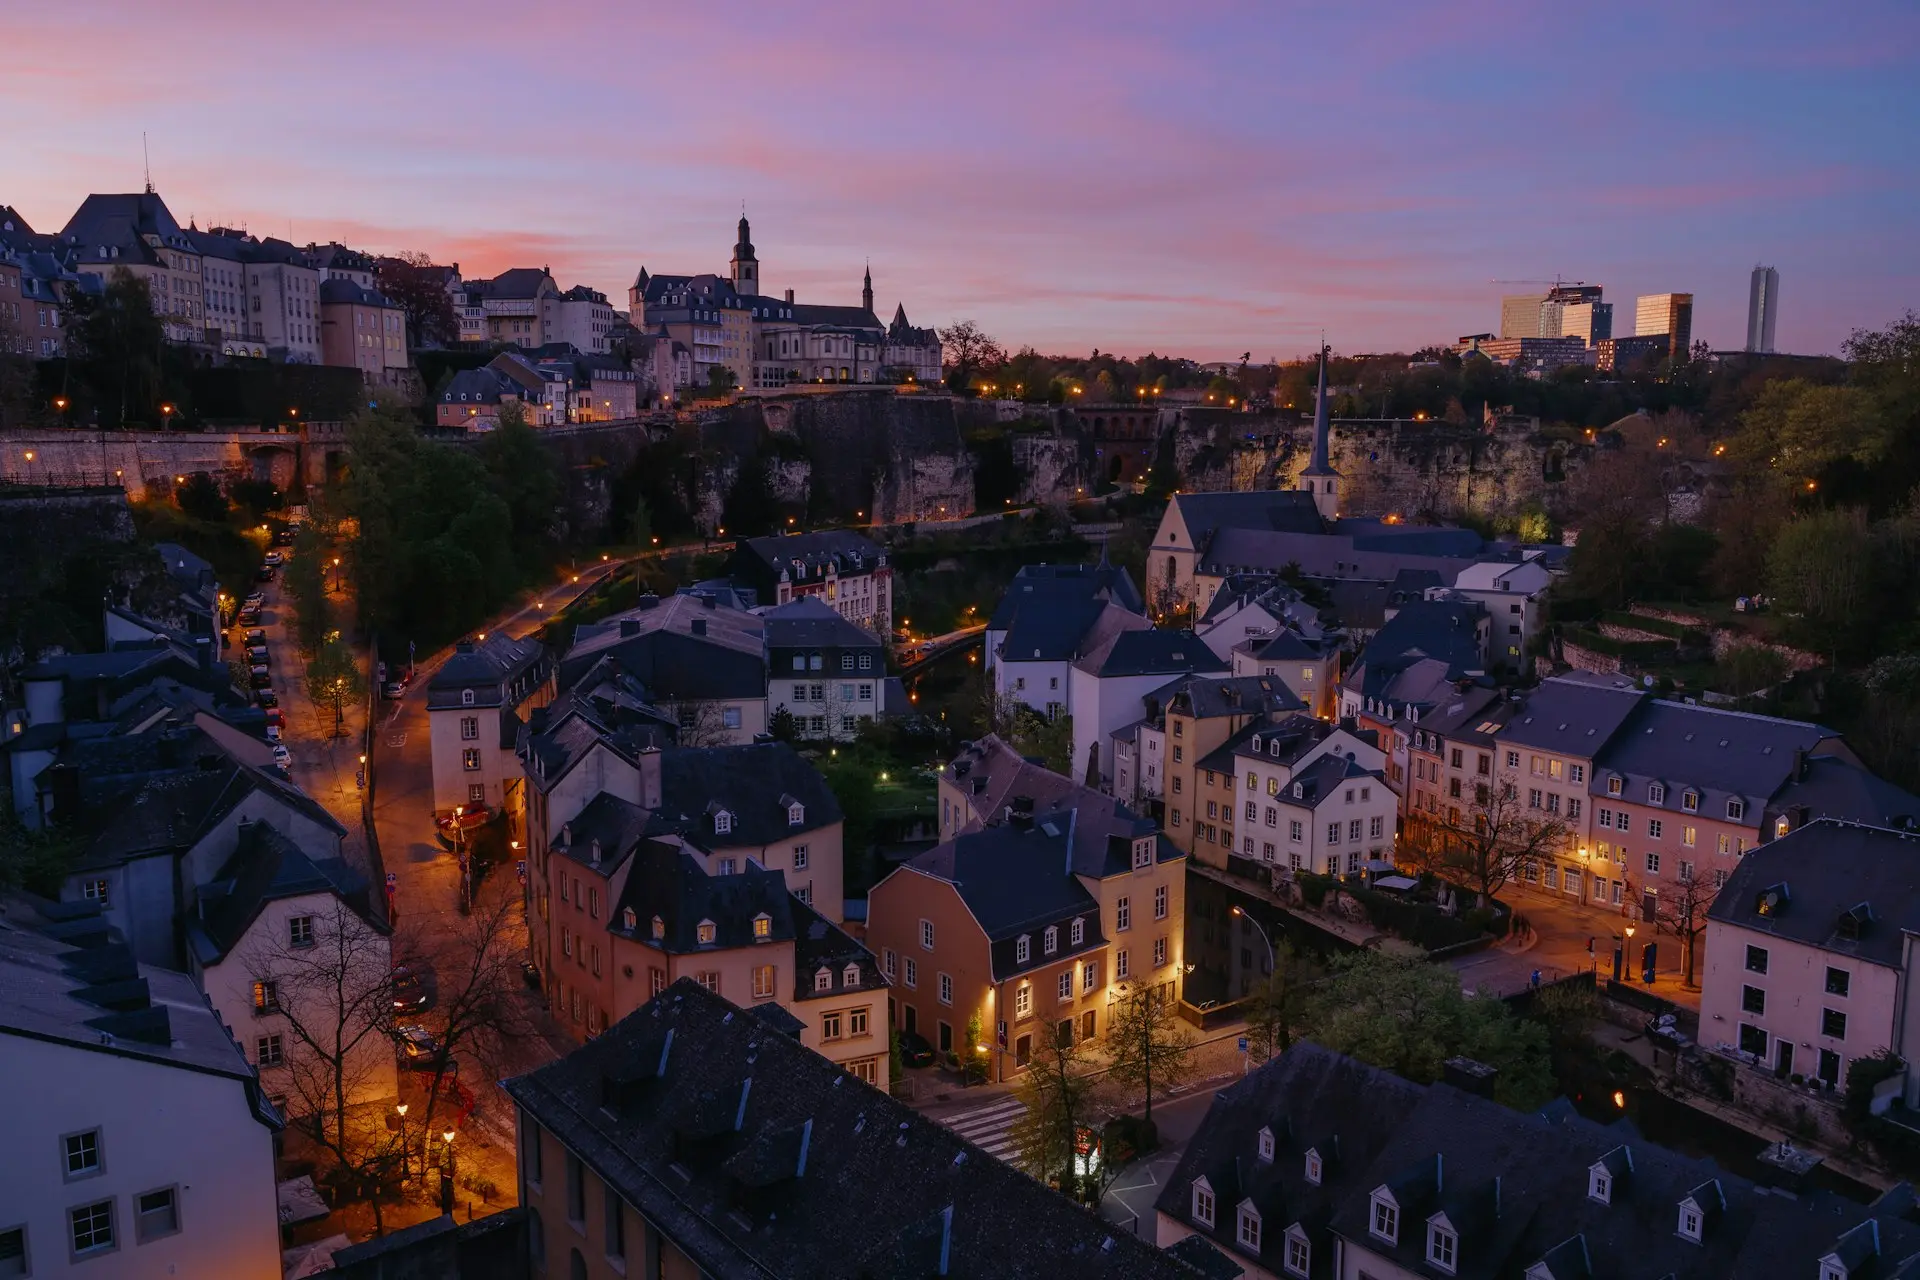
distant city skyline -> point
(1069, 176)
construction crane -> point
(1556, 282)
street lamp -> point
(402, 1109)
(166, 415)
(446, 1175)
(1263, 936)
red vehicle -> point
(465, 818)
(275, 719)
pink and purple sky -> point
(1200, 178)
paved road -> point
(1558, 947)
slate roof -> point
(667, 882)
(1459, 719)
(754, 783)
(617, 826)
(1830, 786)
(608, 711)
(67, 977)
(818, 942)
(1150, 651)
(1208, 696)
(1355, 549)
(1060, 626)
(1513, 1184)
(883, 1193)
(810, 622)
(657, 644)
(1002, 786)
(1829, 868)
(842, 317)
(339, 291)
(1443, 629)
(1575, 714)
(1719, 754)
(1287, 510)
(1061, 582)
(477, 386)
(1016, 880)
(268, 866)
(122, 221)
(490, 668)
(765, 559)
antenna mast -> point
(146, 161)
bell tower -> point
(1318, 477)
(745, 267)
(866, 291)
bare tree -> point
(1683, 910)
(968, 350)
(1059, 1095)
(332, 999)
(703, 723)
(1482, 843)
(1277, 1009)
(1149, 1044)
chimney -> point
(789, 297)
(629, 628)
(699, 626)
(465, 646)
(650, 778)
(1469, 1076)
(1799, 764)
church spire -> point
(866, 289)
(745, 268)
(1319, 478)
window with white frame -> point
(1314, 1167)
(299, 931)
(823, 979)
(1022, 949)
(926, 935)
(1065, 985)
(1299, 1257)
(91, 1228)
(723, 823)
(910, 974)
(707, 932)
(1266, 1145)
(1160, 902)
(1385, 1222)
(1203, 1204)
(470, 728)
(1077, 931)
(1690, 1220)
(1022, 1000)
(1120, 969)
(1247, 1230)
(946, 988)
(1443, 1246)
(1050, 940)
(1090, 976)
(1600, 1184)
(1122, 915)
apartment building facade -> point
(476, 704)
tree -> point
(1277, 1010)
(200, 497)
(782, 725)
(703, 724)
(1149, 1044)
(1410, 1017)
(1683, 911)
(1751, 668)
(412, 280)
(968, 350)
(1049, 741)
(641, 531)
(521, 474)
(305, 581)
(1822, 568)
(114, 344)
(333, 678)
(332, 1001)
(1057, 1096)
(720, 380)
(1481, 843)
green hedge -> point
(1637, 650)
(1659, 626)
(1421, 923)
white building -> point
(1314, 798)
(1049, 616)
(296, 965)
(138, 1142)
(1514, 596)
(1107, 687)
(584, 319)
(476, 703)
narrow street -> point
(1557, 946)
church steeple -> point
(866, 289)
(745, 267)
(1318, 477)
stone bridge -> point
(292, 458)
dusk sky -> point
(1199, 179)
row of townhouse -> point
(1647, 793)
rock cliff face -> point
(872, 455)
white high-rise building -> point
(1763, 309)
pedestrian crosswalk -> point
(989, 1127)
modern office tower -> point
(1668, 313)
(1520, 315)
(1763, 309)
(1576, 311)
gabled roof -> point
(489, 667)
(1576, 714)
(1150, 651)
(1829, 869)
(1048, 587)
(1830, 786)
(794, 1168)
(1719, 754)
(682, 647)
(1002, 788)
(668, 883)
(267, 866)
(1444, 629)
(1285, 510)
(810, 622)
(755, 783)
(842, 317)
(818, 943)
(338, 292)
(1016, 881)
(805, 556)
(1207, 696)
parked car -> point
(267, 698)
(417, 1046)
(275, 718)
(392, 690)
(260, 678)
(285, 537)
(915, 1051)
(256, 636)
(265, 574)
(275, 559)
(253, 601)
(410, 991)
(249, 617)
(273, 732)
(282, 756)
(257, 654)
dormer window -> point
(1690, 800)
(1202, 1203)
(1142, 854)
(762, 927)
(796, 814)
(1600, 1185)
(629, 920)
(1266, 1146)
(823, 979)
(659, 928)
(1314, 1168)
(1077, 931)
(1256, 744)
(707, 932)
(1299, 1256)
(722, 823)
(850, 976)
(1690, 1221)
(1832, 1269)
(1050, 940)
(1298, 791)
(1782, 825)
(466, 697)
(1022, 949)
(1443, 1245)
(1385, 1219)
(1736, 810)
(1247, 1228)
